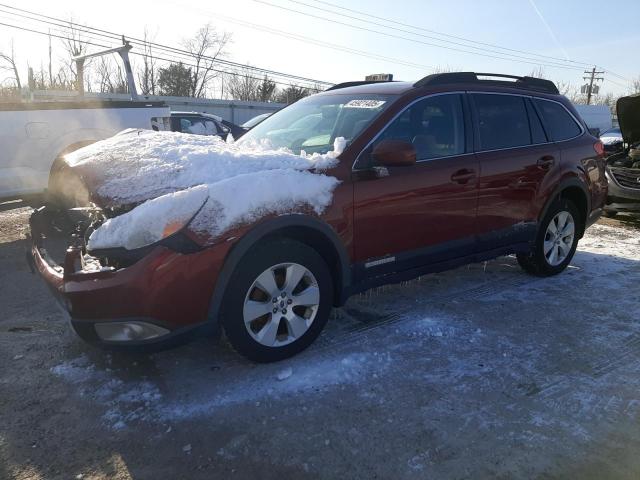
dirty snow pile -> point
(180, 175)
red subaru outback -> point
(452, 169)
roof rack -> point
(532, 83)
(355, 84)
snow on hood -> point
(168, 172)
(610, 139)
(137, 165)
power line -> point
(133, 40)
(113, 36)
(391, 35)
(360, 12)
(333, 46)
(91, 32)
(465, 45)
(322, 43)
(336, 46)
(132, 52)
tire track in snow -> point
(350, 332)
(560, 388)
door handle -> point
(463, 176)
(546, 162)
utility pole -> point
(589, 88)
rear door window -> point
(502, 121)
(558, 122)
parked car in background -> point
(623, 167)
(249, 124)
(204, 124)
(36, 135)
(397, 180)
(612, 140)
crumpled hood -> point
(628, 109)
(138, 165)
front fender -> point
(274, 226)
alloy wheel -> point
(281, 304)
(558, 239)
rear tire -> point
(555, 242)
(277, 301)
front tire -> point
(555, 242)
(278, 300)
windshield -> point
(313, 123)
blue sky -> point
(582, 31)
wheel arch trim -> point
(270, 228)
(571, 182)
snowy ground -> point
(481, 372)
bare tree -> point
(243, 86)
(635, 85)
(570, 91)
(205, 46)
(9, 64)
(442, 69)
(608, 99)
(148, 76)
(110, 77)
(538, 72)
(74, 46)
(50, 62)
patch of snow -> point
(263, 193)
(131, 401)
(350, 369)
(175, 172)
(137, 165)
(146, 223)
(77, 370)
(284, 374)
(606, 140)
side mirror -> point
(394, 153)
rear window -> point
(560, 125)
(502, 121)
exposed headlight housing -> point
(151, 222)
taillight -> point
(599, 148)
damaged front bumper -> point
(141, 304)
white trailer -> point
(34, 135)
